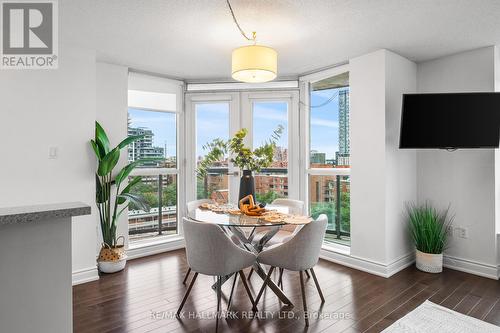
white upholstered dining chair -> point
(300, 254)
(209, 251)
(294, 207)
(192, 205)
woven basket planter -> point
(428, 262)
(112, 259)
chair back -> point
(209, 251)
(294, 206)
(302, 251)
(192, 205)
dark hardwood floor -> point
(145, 296)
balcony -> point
(330, 195)
(158, 191)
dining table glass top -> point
(226, 216)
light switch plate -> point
(53, 153)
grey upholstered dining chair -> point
(300, 254)
(209, 251)
(190, 207)
(287, 231)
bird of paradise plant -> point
(111, 199)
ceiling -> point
(193, 39)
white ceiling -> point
(193, 39)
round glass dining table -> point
(244, 229)
(225, 219)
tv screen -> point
(450, 121)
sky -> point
(212, 121)
(267, 116)
(325, 122)
(163, 125)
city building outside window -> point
(328, 170)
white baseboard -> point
(372, 267)
(155, 248)
(85, 275)
(376, 268)
(91, 273)
(472, 267)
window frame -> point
(241, 115)
(292, 100)
(305, 83)
(191, 100)
(176, 88)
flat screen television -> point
(450, 121)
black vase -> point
(247, 185)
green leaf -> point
(125, 171)
(101, 138)
(108, 162)
(136, 199)
(96, 149)
(101, 195)
(98, 190)
(127, 189)
(428, 227)
(129, 140)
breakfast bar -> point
(35, 267)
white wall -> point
(401, 187)
(44, 108)
(496, 62)
(367, 102)
(464, 179)
(382, 176)
(111, 94)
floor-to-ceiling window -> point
(218, 115)
(328, 149)
(268, 117)
(158, 186)
(154, 114)
(212, 122)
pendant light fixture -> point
(253, 63)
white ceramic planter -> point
(112, 266)
(430, 263)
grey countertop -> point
(26, 214)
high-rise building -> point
(144, 148)
(317, 157)
(344, 140)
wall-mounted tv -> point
(450, 121)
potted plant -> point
(112, 197)
(428, 230)
(246, 159)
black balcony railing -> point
(158, 220)
(332, 199)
